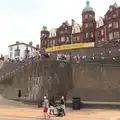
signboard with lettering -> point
(70, 46)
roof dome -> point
(87, 7)
(44, 27)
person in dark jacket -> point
(52, 105)
(62, 103)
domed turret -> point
(44, 28)
(87, 7)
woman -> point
(52, 105)
(45, 107)
(62, 103)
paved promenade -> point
(10, 110)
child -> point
(45, 107)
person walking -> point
(52, 105)
(45, 107)
(62, 103)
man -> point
(45, 107)
(52, 104)
(62, 103)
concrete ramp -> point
(1, 63)
(11, 103)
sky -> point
(22, 20)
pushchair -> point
(60, 111)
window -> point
(114, 16)
(45, 42)
(110, 36)
(53, 42)
(110, 25)
(42, 35)
(74, 30)
(91, 35)
(111, 9)
(48, 43)
(65, 28)
(74, 38)
(17, 52)
(67, 39)
(10, 48)
(99, 33)
(17, 46)
(115, 24)
(78, 38)
(61, 32)
(91, 25)
(102, 39)
(116, 34)
(90, 16)
(86, 16)
(86, 25)
(62, 39)
(26, 47)
(102, 32)
(86, 35)
(10, 55)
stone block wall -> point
(91, 82)
(40, 77)
(95, 82)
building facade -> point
(105, 29)
(20, 50)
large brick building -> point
(105, 29)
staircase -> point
(1, 64)
(8, 70)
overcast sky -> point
(22, 20)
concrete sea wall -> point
(92, 82)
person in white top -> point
(45, 107)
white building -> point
(21, 50)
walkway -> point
(10, 110)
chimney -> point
(73, 22)
(17, 42)
(37, 46)
(30, 43)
